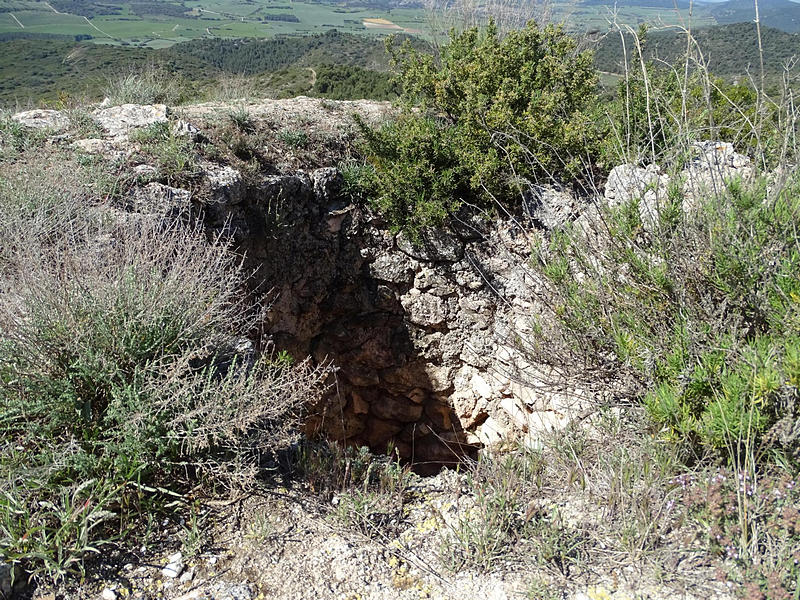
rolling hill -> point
(346, 65)
(780, 14)
(730, 51)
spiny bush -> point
(698, 312)
(489, 111)
(123, 370)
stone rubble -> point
(174, 566)
(108, 594)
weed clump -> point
(367, 491)
(125, 374)
(172, 154)
(149, 85)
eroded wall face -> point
(425, 337)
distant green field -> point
(193, 19)
(178, 21)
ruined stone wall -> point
(424, 336)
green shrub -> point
(697, 314)
(416, 173)
(486, 113)
(351, 82)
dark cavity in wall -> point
(314, 258)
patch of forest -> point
(250, 56)
(44, 70)
(347, 66)
(730, 51)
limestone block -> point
(341, 425)
(439, 377)
(491, 432)
(435, 246)
(440, 415)
(628, 182)
(104, 148)
(549, 205)
(118, 121)
(225, 184)
(481, 387)
(434, 283)
(379, 431)
(156, 198)
(42, 119)
(424, 309)
(360, 405)
(519, 416)
(393, 267)
(714, 163)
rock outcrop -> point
(118, 121)
(40, 118)
(712, 164)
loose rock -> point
(174, 567)
(42, 119)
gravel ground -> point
(287, 545)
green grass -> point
(45, 22)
